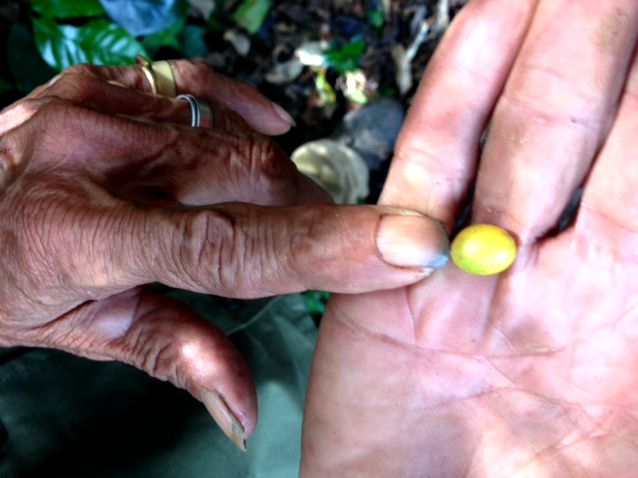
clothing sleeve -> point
(65, 416)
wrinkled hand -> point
(104, 187)
(533, 372)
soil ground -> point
(292, 23)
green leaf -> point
(27, 67)
(376, 18)
(346, 57)
(68, 8)
(326, 92)
(251, 14)
(99, 41)
(168, 37)
(316, 301)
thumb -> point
(169, 341)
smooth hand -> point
(104, 187)
(531, 373)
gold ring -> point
(150, 76)
(160, 76)
(163, 72)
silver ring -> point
(195, 108)
(201, 114)
(205, 115)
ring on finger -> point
(165, 78)
(148, 72)
(201, 114)
(160, 75)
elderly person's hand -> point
(105, 187)
(533, 372)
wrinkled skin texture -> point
(531, 373)
(104, 188)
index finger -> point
(437, 150)
(198, 79)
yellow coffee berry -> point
(483, 249)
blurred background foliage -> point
(319, 59)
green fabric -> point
(69, 417)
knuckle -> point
(579, 108)
(422, 159)
(209, 247)
(154, 355)
(157, 359)
(272, 172)
(192, 69)
(244, 251)
(9, 159)
(579, 121)
(75, 85)
(79, 69)
(28, 129)
(62, 79)
(309, 236)
(200, 68)
(20, 113)
(165, 352)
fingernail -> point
(412, 241)
(284, 115)
(218, 408)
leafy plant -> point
(67, 8)
(316, 301)
(376, 17)
(99, 42)
(251, 14)
(346, 57)
(114, 32)
(168, 37)
(327, 95)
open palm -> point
(531, 373)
